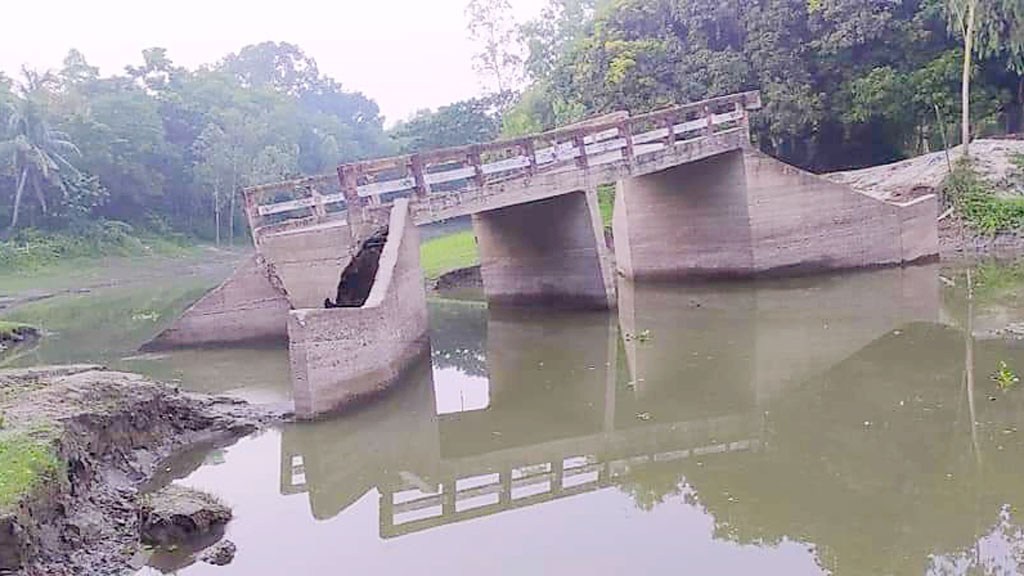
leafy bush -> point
(31, 248)
(978, 203)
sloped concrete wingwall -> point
(549, 251)
(339, 355)
(800, 221)
(246, 307)
(743, 212)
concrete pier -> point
(339, 355)
(548, 252)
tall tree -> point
(965, 18)
(37, 152)
(492, 27)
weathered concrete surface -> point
(764, 339)
(743, 212)
(338, 355)
(546, 252)
(310, 260)
(248, 306)
(693, 217)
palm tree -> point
(37, 152)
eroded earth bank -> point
(80, 449)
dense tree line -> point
(165, 147)
(844, 82)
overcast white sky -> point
(405, 54)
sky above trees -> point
(406, 55)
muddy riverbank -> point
(77, 444)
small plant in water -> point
(1005, 377)
(641, 336)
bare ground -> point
(908, 179)
(109, 432)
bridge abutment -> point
(742, 213)
(549, 252)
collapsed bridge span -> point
(693, 199)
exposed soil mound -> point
(178, 514)
(902, 181)
(76, 443)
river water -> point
(847, 424)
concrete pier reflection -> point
(576, 404)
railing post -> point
(529, 150)
(581, 145)
(348, 179)
(710, 129)
(416, 164)
(477, 163)
(626, 132)
(319, 211)
(252, 213)
(744, 120)
(670, 124)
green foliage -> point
(32, 248)
(978, 203)
(466, 122)
(165, 144)
(447, 253)
(606, 203)
(25, 462)
(845, 83)
(1004, 377)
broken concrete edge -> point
(108, 431)
(249, 307)
(339, 355)
(397, 224)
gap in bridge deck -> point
(357, 279)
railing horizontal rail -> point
(614, 138)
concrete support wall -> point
(550, 251)
(310, 260)
(743, 212)
(339, 355)
(691, 217)
(246, 307)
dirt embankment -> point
(76, 444)
(908, 179)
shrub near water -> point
(32, 248)
(978, 204)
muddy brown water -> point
(820, 425)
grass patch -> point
(978, 204)
(9, 330)
(31, 249)
(442, 255)
(25, 462)
(606, 203)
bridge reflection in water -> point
(576, 402)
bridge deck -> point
(469, 179)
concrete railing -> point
(617, 139)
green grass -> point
(979, 205)
(25, 462)
(9, 329)
(606, 202)
(442, 255)
(31, 249)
